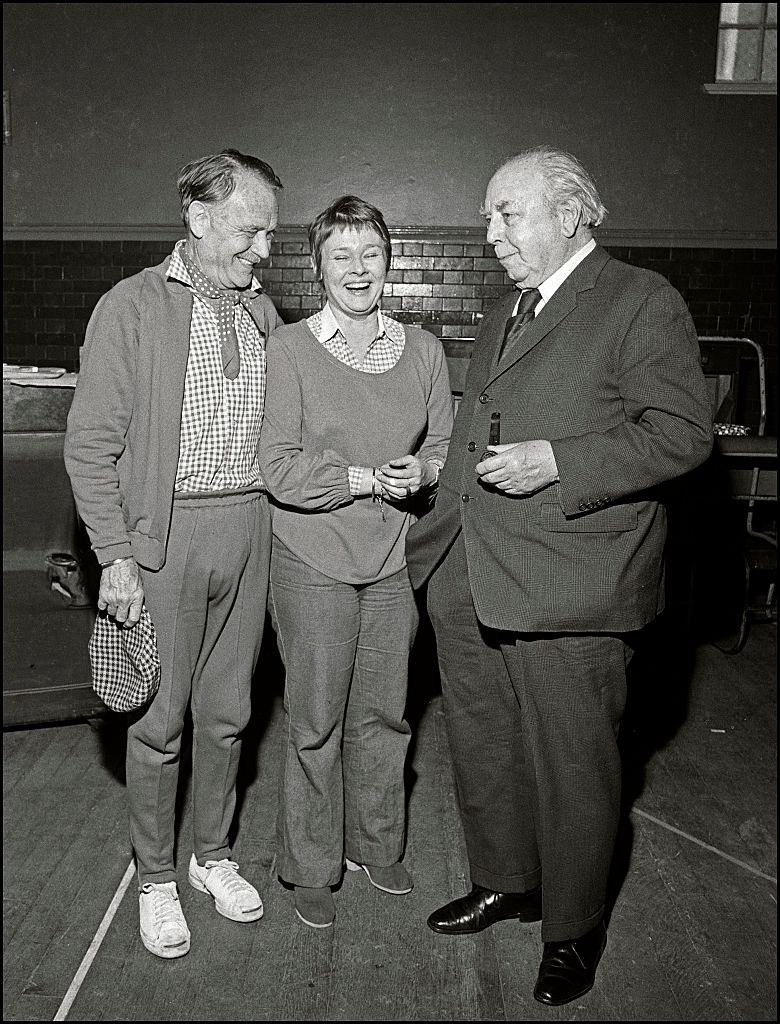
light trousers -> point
(208, 605)
(346, 654)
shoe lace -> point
(164, 907)
(227, 872)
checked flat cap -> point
(125, 662)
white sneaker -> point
(164, 931)
(233, 896)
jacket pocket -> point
(615, 519)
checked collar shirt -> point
(221, 418)
(383, 352)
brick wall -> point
(442, 281)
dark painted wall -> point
(409, 105)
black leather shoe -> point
(568, 969)
(483, 907)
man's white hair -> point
(565, 179)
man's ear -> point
(569, 214)
(198, 217)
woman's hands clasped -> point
(402, 477)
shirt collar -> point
(329, 325)
(177, 271)
(549, 287)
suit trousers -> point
(346, 654)
(532, 721)
(208, 605)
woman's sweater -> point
(322, 416)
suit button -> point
(483, 399)
(464, 498)
(471, 446)
(582, 506)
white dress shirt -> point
(549, 287)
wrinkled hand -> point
(401, 478)
(519, 469)
(121, 592)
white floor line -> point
(712, 849)
(94, 946)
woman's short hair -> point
(347, 212)
(565, 179)
(211, 179)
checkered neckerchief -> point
(220, 421)
(225, 301)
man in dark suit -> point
(545, 556)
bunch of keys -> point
(495, 435)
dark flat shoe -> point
(568, 969)
(483, 907)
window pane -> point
(738, 55)
(769, 63)
(740, 14)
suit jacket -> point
(609, 372)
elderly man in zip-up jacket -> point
(161, 449)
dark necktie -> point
(226, 301)
(516, 324)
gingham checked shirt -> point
(221, 418)
(382, 355)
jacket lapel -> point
(173, 307)
(581, 279)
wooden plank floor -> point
(692, 934)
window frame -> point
(743, 87)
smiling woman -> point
(357, 422)
(351, 251)
(353, 271)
